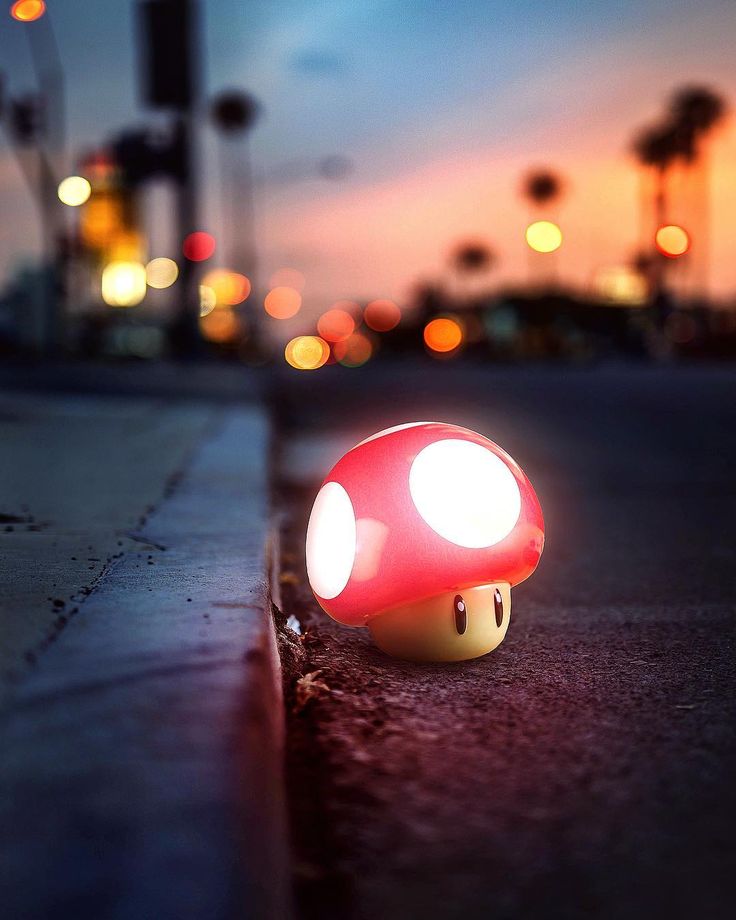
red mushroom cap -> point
(416, 511)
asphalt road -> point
(586, 767)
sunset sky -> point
(442, 106)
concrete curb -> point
(141, 761)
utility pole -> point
(171, 79)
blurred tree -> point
(542, 186)
(657, 148)
(472, 258)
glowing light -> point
(331, 541)
(161, 273)
(123, 284)
(336, 325)
(672, 241)
(466, 493)
(28, 10)
(74, 191)
(198, 246)
(382, 315)
(353, 351)
(220, 326)
(288, 277)
(443, 335)
(622, 285)
(283, 302)
(543, 236)
(231, 288)
(307, 352)
(207, 300)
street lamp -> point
(28, 10)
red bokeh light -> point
(336, 325)
(198, 246)
(28, 10)
(382, 315)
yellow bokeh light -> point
(307, 352)
(220, 326)
(161, 273)
(621, 285)
(443, 335)
(28, 10)
(543, 236)
(283, 302)
(354, 351)
(207, 300)
(672, 241)
(231, 288)
(74, 191)
(123, 284)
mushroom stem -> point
(427, 630)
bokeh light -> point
(443, 335)
(672, 241)
(543, 236)
(354, 351)
(620, 284)
(382, 315)
(161, 273)
(123, 284)
(288, 277)
(207, 300)
(231, 288)
(198, 246)
(28, 10)
(74, 191)
(307, 352)
(283, 302)
(220, 326)
(336, 325)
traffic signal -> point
(168, 67)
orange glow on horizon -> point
(443, 335)
(28, 10)
(336, 325)
(307, 352)
(283, 302)
(672, 241)
(382, 315)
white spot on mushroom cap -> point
(331, 541)
(466, 493)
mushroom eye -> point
(461, 614)
(498, 607)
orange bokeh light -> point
(220, 326)
(231, 288)
(198, 246)
(283, 302)
(28, 10)
(307, 352)
(336, 325)
(672, 241)
(382, 315)
(288, 277)
(353, 351)
(443, 335)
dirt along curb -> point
(141, 758)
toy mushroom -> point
(419, 533)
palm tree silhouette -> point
(696, 111)
(541, 187)
(657, 148)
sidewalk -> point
(140, 747)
